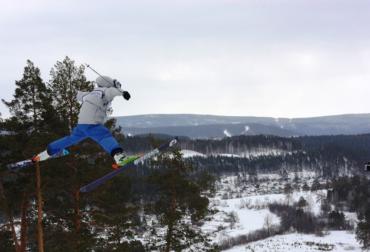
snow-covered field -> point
(251, 212)
(242, 208)
(246, 220)
(338, 241)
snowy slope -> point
(248, 220)
(338, 241)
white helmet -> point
(104, 81)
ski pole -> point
(87, 65)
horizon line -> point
(217, 115)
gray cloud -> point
(250, 57)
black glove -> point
(126, 95)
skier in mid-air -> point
(93, 114)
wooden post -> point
(40, 234)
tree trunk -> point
(76, 207)
(40, 234)
(77, 211)
(71, 99)
(77, 219)
(76, 196)
(169, 237)
(35, 126)
(24, 224)
(172, 220)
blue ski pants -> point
(96, 132)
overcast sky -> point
(280, 58)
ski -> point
(14, 167)
(91, 186)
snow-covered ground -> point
(242, 207)
(253, 153)
(247, 220)
(338, 241)
(191, 153)
(251, 212)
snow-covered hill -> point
(336, 241)
(205, 126)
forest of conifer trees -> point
(41, 207)
(159, 205)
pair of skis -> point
(94, 184)
(91, 186)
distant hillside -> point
(209, 126)
(212, 131)
(326, 155)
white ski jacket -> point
(95, 104)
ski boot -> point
(40, 157)
(45, 155)
(121, 159)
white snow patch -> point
(227, 133)
(351, 217)
(191, 153)
(248, 220)
(269, 176)
(246, 129)
(237, 196)
(227, 155)
(6, 133)
(338, 241)
(257, 152)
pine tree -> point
(64, 179)
(8, 237)
(178, 204)
(31, 112)
(363, 230)
(31, 104)
(115, 215)
(66, 80)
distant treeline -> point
(329, 156)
